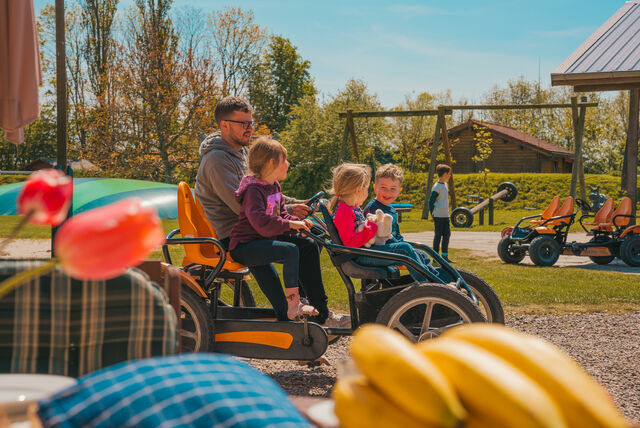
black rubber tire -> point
(196, 332)
(246, 295)
(507, 254)
(630, 251)
(403, 312)
(601, 260)
(461, 217)
(491, 305)
(544, 251)
(513, 191)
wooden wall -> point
(507, 156)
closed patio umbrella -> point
(20, 74)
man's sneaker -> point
(337, 320)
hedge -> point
(534, 190)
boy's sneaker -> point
(447, 259)
(337, 320)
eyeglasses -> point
(245, 123)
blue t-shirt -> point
(371, 208)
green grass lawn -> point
(521, 288)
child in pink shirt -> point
(351, 188)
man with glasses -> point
(223, 164)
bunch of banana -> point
(474, 376)
(396, 380)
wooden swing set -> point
(578, 110)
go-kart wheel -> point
(544, 251)
(490, 305)
(462, 217)
(630, 251)
(512, 191)
(601, 260)
(424, 311)
(196, 331)
(507, 253)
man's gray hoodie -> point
(221, 169)
(219, 175)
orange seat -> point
(623, 209)
(194, 224)
(549, 212)
(565, 209)
(603, 216)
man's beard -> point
(242, 142)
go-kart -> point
(216, 320)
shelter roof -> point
(515, 135)
(609, 59)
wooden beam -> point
(631, 152)
(517, 106)
(432, 169)
(352, 133)
(345, 137)
(606, 87)
(447, 154)
(579, 135)
(398, 113)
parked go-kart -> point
(216, 320)
(544, 237)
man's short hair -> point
(390, 170)
(442, 169)
(228, 105)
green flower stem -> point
(20, 278)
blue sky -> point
(401, 47)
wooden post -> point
(345, 136)
(447, 153)
(61, 88)
(579, 134)
(577, 150)
(631, 151)
(432, 169)
(352, 133)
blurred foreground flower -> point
(101, 243)
(46, 197)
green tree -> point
(277, 82)
(314, 137)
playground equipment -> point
(545, 239)
(214, 320)
(463, 216)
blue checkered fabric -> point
(188, 390)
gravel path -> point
(606, 345)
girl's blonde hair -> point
(348, 178)
(261, 152)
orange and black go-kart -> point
(219, 314)
(544, 236)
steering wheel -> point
(584, 205)
(312, 203)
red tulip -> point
(45, 197)
(103, 242)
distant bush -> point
(534, 190)
(12, 178)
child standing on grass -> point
(439, 208)
(351, 188)
(267, 233)
(387, 187)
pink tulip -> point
(103, 242)
(45, 197)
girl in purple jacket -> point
(267, 233)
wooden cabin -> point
(512, 151)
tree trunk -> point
(629, 180)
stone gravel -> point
(606, 345)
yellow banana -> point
(583, 401)
(491, 389)
(395, 367)
(359, 405)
